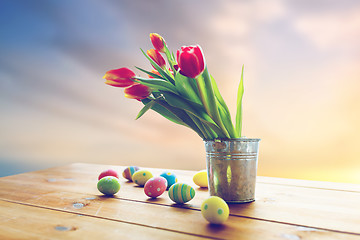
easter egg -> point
(155, 186)
(215, 210)
(200, 178)
(170, 178)
(181, 193)
(140, 177)
(108, 185)
(108, 172)
(129, 171)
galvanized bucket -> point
(232, 168)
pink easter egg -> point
(155, 186)
(108, 172)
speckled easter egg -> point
(129, 171)
(140, 177)
(200, 178)
(170, 178)
(109, 172)
(155, 186)
(181, 193)
(215, 210)
(108, 185)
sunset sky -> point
(302, 83)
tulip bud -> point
(154, 72)
(191, 61)
(157, 73)
(158, 42)
(121, 77)
(137, 91)
(156, 56)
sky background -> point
(302, 72)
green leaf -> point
(182, 115)
(170, 58)
(226, 120)
(173, 114)
(194, 109)
(239, 103)
(201, 127)
(150, 73)
(157, 84)
(145, 109)
(208, 99)
(223, 110)
(159, 69)
(187, 87)
(164, 112)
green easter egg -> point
(108, 185)
(181, 193)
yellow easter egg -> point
(200, 178)
(215, 210)
(140, 177)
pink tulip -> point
(158, 42)
(121, 77)
(156, 56)
(137, 91)
(191, 61)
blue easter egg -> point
(170, 177)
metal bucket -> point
(232, 168)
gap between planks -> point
(108, 219)
(298, 186)
(87, 168)
(182, 207)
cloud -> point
(340, 29)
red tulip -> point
(137, 91)
(156, 56)
(158, 42)
(191, 61)
(121, 77)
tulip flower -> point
(121, 77)
(137, 91)
(158, 42)
(157, 73)
(156, 56)
(154, 72)
(191, 61)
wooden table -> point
(64, 203)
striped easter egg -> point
(129, 171)
(181, 193)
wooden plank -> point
(172, 218)
(19, 221)
(274, 202)
(187, 176)
(349, 187)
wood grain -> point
(18, 221)
(173, 218)
(279, 202)
(282, 211)
(348, 187)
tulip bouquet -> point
(182, 91)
